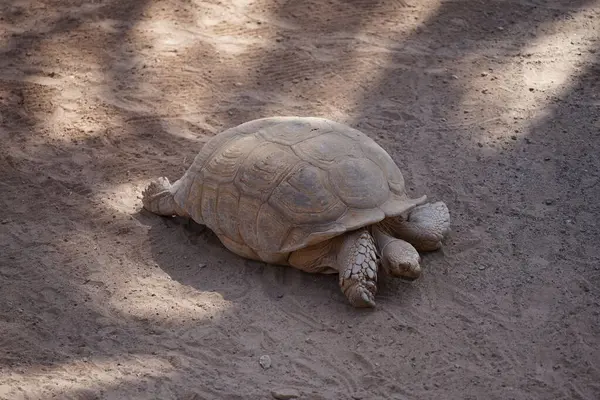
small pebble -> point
(265, 361)
(548, 202)
(285, 394)
(481, 267)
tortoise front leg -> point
(358, 264)
(353, 256)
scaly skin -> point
(358, 264)
(425, 228)
(158, 199)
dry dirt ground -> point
(492, 106)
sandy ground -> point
(492, 106)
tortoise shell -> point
(280, 184)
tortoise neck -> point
(388, 225)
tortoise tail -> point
(158, 198)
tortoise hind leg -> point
(158, 199)
(426, 226)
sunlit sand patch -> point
(150, 293)
(124, 198)
(65, 101)
(86, 374)
(168, 37)
(538, 81)
(168, 302)
(179, 126)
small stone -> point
(455, 77)
(548, 202)
(201, 266)
(265, 361)
(481, 267)
(285, 394)
(514, 137)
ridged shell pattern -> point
(282, 183)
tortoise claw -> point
(360, 289)
(360, 294)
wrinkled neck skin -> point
(385, 232)
(389, 225)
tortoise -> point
(309, 193)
